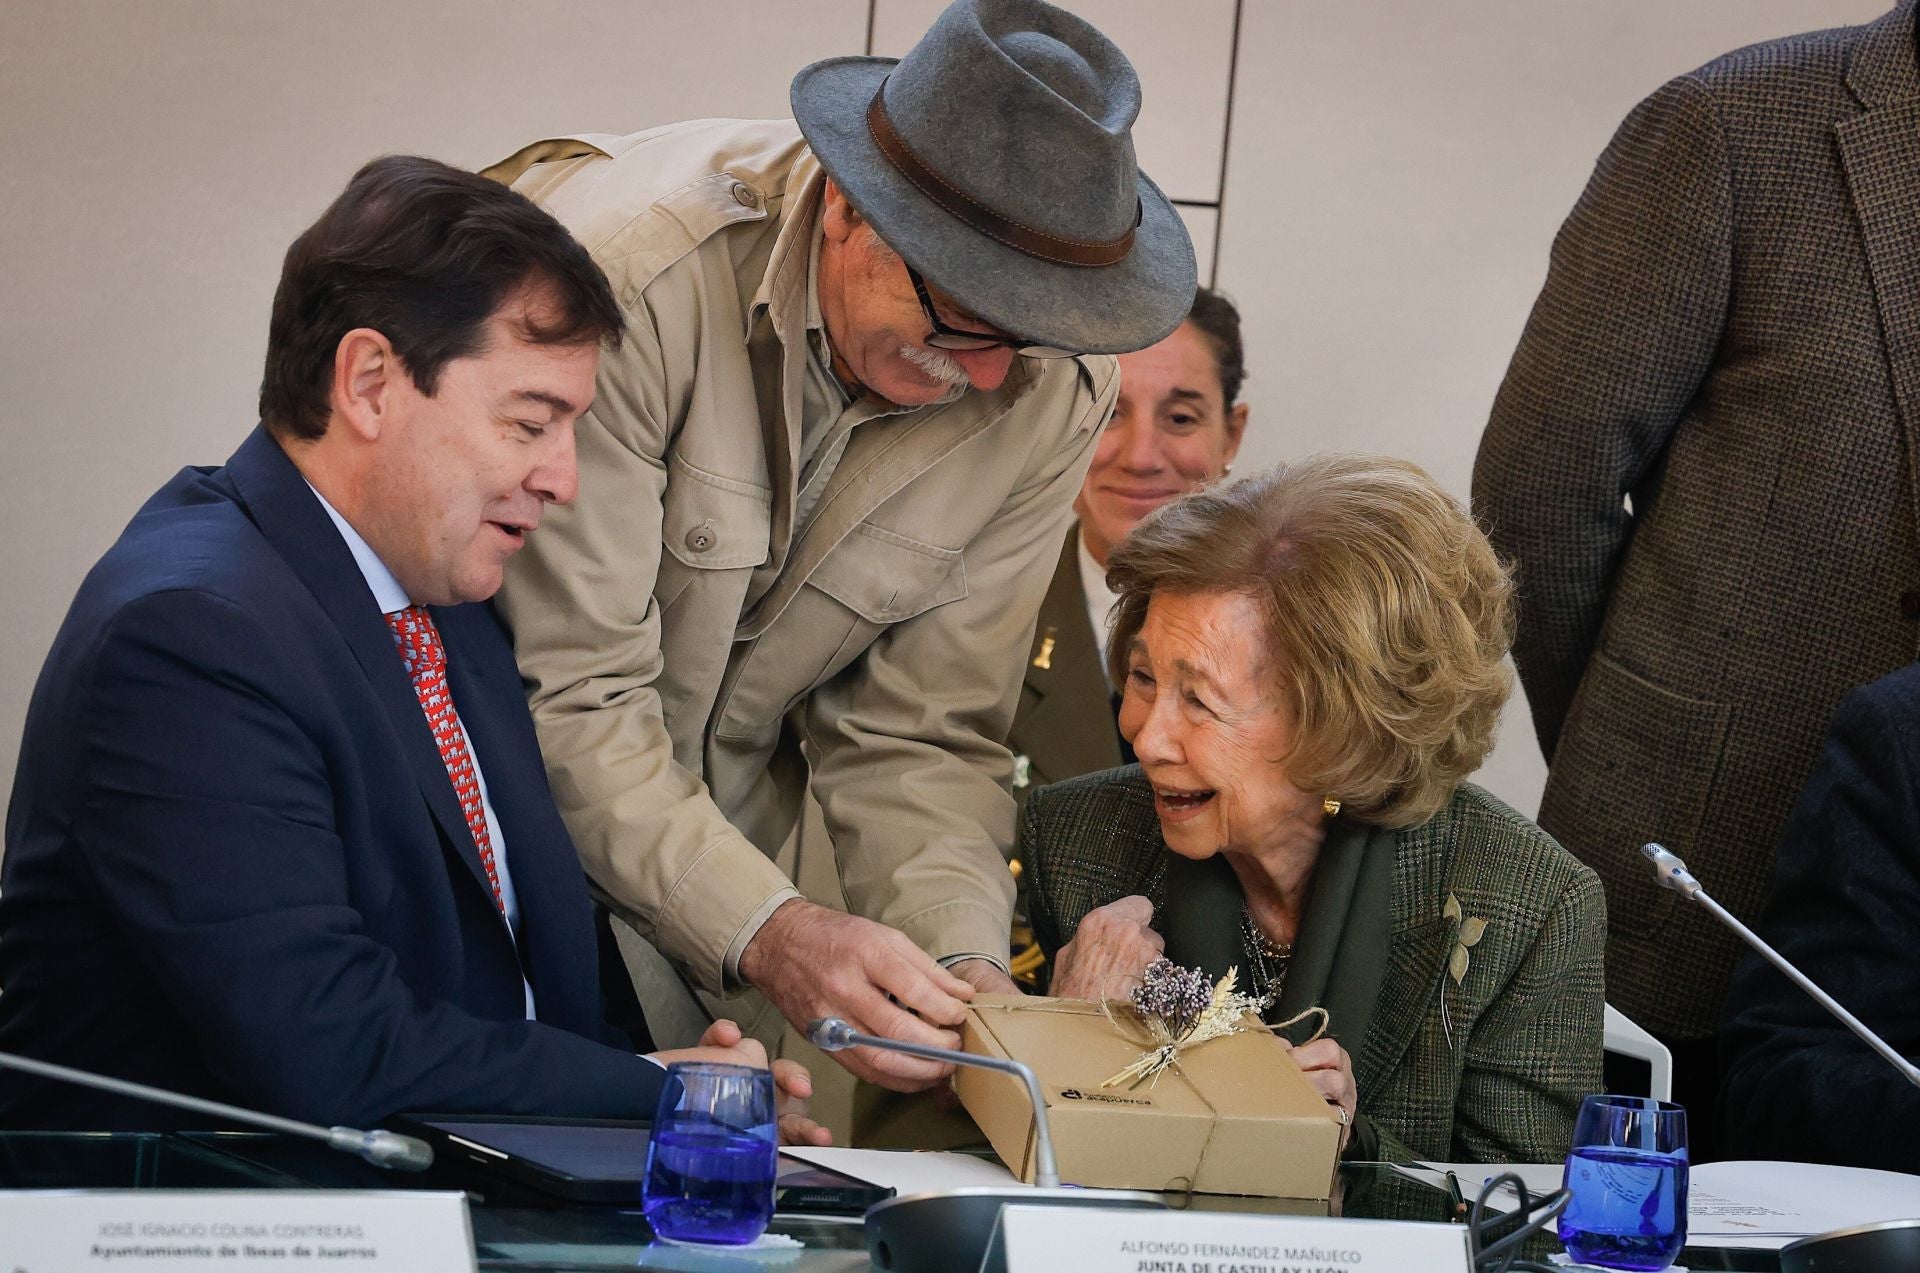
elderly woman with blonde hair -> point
(1311, 663)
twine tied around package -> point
(1175, 1011)
(1225, 1012)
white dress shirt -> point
(390, 597)
(1100, 599)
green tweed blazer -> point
(1504, 1082)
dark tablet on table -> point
(600, 1161)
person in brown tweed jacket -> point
(1311, 662)
(1700, 464)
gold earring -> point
(1331, 806)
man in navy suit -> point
(281, 834)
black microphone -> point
(1675, 875)
(380, 1147)
(952, 1230)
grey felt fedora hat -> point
(997, 158)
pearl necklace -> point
(1267, 967)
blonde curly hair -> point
(1388, 616)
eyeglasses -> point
(945, 337)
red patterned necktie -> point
(426, 661)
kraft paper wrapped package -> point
(1233, 1115)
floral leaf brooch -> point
(1467, 932)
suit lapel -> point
(1880, 149)
(292, 520)
(1414, 963)
(1069, 729)
(1416, 956)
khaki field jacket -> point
(683, 711)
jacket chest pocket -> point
(713, 533)
(873, 579)
(884, 577)
(708, 523)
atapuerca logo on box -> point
(1075, 1094)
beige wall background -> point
(1376, 181)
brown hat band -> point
(970, 211)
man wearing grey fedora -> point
(822, 487)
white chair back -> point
(1621, 1035)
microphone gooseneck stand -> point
(1674, 874)
(379, 1147)
(1874, 1248)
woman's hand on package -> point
(1111, 948)
(1330, 1070)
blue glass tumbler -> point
(712, 1154)
(1628, 1174)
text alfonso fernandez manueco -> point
(1237, 1257)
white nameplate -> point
(1048, 1239)
(233, 1230)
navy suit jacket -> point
(235, 864)
(1845, 908)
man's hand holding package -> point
(723, 1044)
(984, 976)
(1111, 948)
(814, 962)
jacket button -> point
(1910, 604)
(700, 538)
(744, 196)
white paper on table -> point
(1791, 1200)
(907, 1171)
